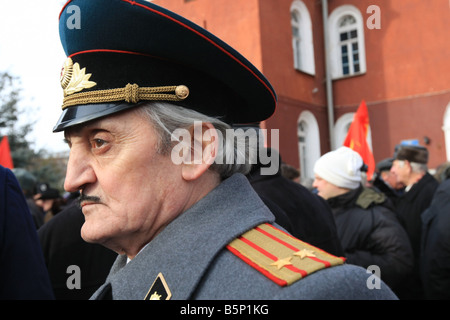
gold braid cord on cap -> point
(131, 93)
(75, 79)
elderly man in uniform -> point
(136, 75)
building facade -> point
(323, 57)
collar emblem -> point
(159, 289)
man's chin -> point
(89, 235)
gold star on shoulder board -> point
(304, 253)
(280, 263)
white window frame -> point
(446, 129)
(302, 46)
(334, 31)
(308, 145)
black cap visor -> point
(82, 113)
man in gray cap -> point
(386, 181)
(410, 167)
(141, 82)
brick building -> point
(393, 54)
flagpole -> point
(329, 88)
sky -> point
(30, 50)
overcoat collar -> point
(183, 251)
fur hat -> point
(341, 167)
(417, 154)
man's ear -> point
(204, 149)
(408, 166)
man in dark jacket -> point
(64, 249)
(22, 268)
(410, 166)
(305, 215)
(435, 249)
(368, 229)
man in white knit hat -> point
(337, 172)
(369, 232)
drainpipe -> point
(329, 87)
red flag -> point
(5, 154)
(357, 138)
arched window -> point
(308, 146)
(341, 129)
(346, 38)
(302, 40)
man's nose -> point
(79, 172)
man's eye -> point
(98, 143)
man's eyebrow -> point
(74, 131)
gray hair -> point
(419, 167)
(415, 166)
(166, 118)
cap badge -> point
(74, 79)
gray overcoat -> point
(192, 257)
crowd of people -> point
(144, 227)
(398, 222)
(390, 221)
(43, 200)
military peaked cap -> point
(123, 53)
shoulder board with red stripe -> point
(279, 256)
